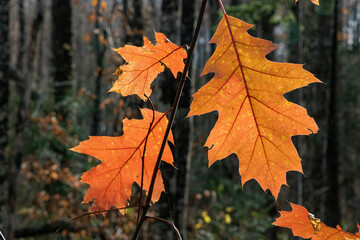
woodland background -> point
(57, 64)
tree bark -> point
(318, 56)
(61, 49)
(331, 176)
(178, 28)
(170, 20)
(295, 46)
(133, 34)
(138, 23)
(20, 56)
(4, 101)
(99, 50)
(315, 53)
(235, 2)
(25, 96)
(182, 129)
(170, 26)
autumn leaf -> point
(316, 2)
(121, 161)
(297, 220)
(305, 225)
(143, 64)
(255, 121)
(102, 4)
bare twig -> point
(169, 223)
(94, 212)
(2, 236)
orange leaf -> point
(94, 3)
(121, 161)
(143, 64)
(316, 2)
(86, 37)
(255, 121)
(305, 225)
(297, 220)
(103, 4)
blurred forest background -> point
(57, 65)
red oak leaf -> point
(143, 64)
(305, 225)
(255, 121)
(316, 2)
(121, 161)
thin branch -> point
(143, 156)
(94, 212)
(169, 223)
(2, 236)
(171, 119)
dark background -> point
(57, 64)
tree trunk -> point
(318, 56)
(4, 101)
(170, 20)
(133, 32)
(20, 56)
(179, 178)
(331, 176)
(99, 50)
(214, 19)
(137, 23)
(182, 129)
(315, 53)
(295, 46)
(235, 2)
(61, 49)
(25, 96)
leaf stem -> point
(171, 119)
(222, 6)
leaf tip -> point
(74, 149)
(358, 233)
(112, 90)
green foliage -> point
(253, 12)
(226, 210)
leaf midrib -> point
(248, 96)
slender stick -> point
(169, 223)
(171, 119)
(90, 213)
(2, 236)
